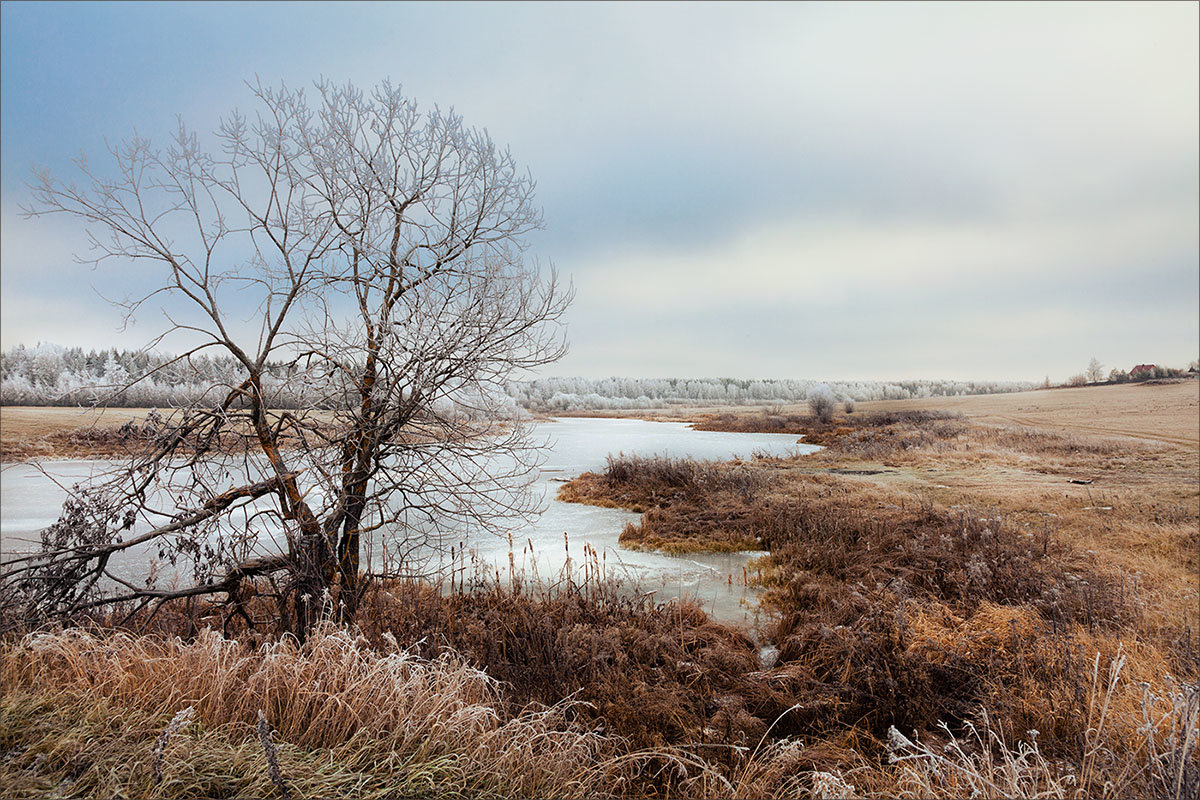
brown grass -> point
(48, 432)
(1167, 412)
(351, 720)
(855, 569)
(670, 492)
(92, 712)
(37, 432)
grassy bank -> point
(579, 692)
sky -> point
(804, 190)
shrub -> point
(1077, 380)
(821, 403)
(850, 406)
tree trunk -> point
(348, 558)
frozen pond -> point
(30, 501)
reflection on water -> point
(30, 501)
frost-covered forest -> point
(566, 394)
(52, 375)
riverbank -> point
(53, 433)
(578, 690)
(923, 554)
(1164, 411)
(46, 433)
(956, 608)
(1129, 503)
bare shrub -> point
(821, 404)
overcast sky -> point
(801, 190)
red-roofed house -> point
(1142, 371)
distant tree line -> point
(48, 375)
(1147, 372)
(51, 375)
(567, 394)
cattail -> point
(264, 736)
(181, 718)
(512, 563)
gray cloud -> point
(979, 190)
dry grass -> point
(39, 432)
(89, 712)
(1167, 412)
(49, 432)
(1159, 759)
(695, 506)
(1134, 504)
(652, 675)
(351, 720)
(815, 430)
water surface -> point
(30, 500)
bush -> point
(1118, 376)
(821, 403)
(1077, 380)
(850, 406)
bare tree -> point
(385, 250)
(1094, 371)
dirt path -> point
(1134, 433)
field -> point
(1068, 517)
(28, 432)
(986, 596)
(1165, 411)
(40, 431)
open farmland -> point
(1165, 411)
